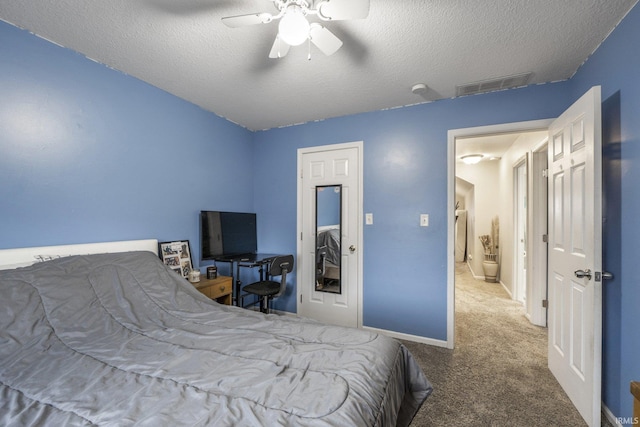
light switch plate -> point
(368, 218)
(424, 220)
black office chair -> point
(266, 290)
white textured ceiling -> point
(182, 46)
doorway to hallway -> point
(499, 199)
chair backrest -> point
(280, 266)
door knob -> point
(583, 273)
(352, 248)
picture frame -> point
(177, 256)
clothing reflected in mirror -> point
(328, 238)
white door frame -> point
(452, 135)
(300, 226)
(519, 260)
(536, 245)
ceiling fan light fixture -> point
(294, 27)
(471, 159)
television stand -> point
(246, 261)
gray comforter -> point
(117, 339)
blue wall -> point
(328, 209)
(90, 154)
(616, 67)
(405, 174)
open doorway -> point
(491, 178)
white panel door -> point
(330, 165)
(575, 253)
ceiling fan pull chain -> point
(309, 47)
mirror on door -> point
(328, 238)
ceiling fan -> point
(294, 28)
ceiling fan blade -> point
(245, 20)
(279, 49)
(324, 39)
(334, 10)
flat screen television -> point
(225, 234)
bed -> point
(117, 338)
(328, 254)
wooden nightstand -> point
(218, 289)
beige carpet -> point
(497, 374)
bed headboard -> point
(22, 257)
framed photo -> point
(176, 255)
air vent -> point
(500, 83)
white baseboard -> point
(475, 276)
(506, 289)
(408, 337)
(392, 334)
(610, 417)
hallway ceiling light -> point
(471, 159)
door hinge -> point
(545, 303)
(301, 235)
(545, 238)
(545, 173)
(300, 298)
